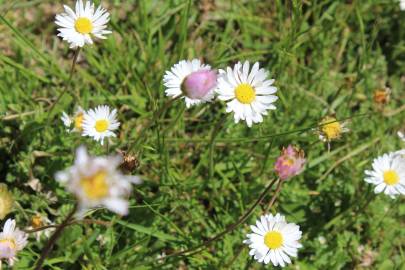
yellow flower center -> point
(288, 162)
(83, 25)
(79, 121)
(8, 242)
(95, 187)
(331, 128)
(273, 240)
(245, 93)
(36, 222)
(101, 125)
(391, 177)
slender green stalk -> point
(230, 228)
(155, 118)
(54, 237)
(69, 81)
(273, 199)
(85, 221)
(214, 134)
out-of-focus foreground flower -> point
(96, 181)
(6, 201)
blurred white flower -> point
(193, 79)
(6, 201)
(96, 182)
(249, 93)
(388, 174)
(274, 240)
(12, 240)
(100, 123)
(79, 27)
(402, 4)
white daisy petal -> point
(96, 181)
(388, 174)
(249, 94)
(80, 26)
(100, 123)
(12, 240)
(274, 240)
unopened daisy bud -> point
(12, 240)
(382, 96)
(129, 162)
(6, 201)
(290, 163)
(192, 79)
(331, 129)
(199, 84)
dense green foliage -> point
(201, 171)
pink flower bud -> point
(289, 163)
(199, 84)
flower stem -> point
(85, 221)
(72, 69)
(273, 199)
(155, 118)
(230, 228)
(214, 134)
(54, 237)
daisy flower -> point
(76, 120)
(388, 174)
(248, 92)
(12, 240)
(402, 4)
(96, 182)
(192, 79)
(273, 240)
(330, 129)
(6, 201)
(290, 163)
(38, 221)
(79, 27)
(100, 123)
